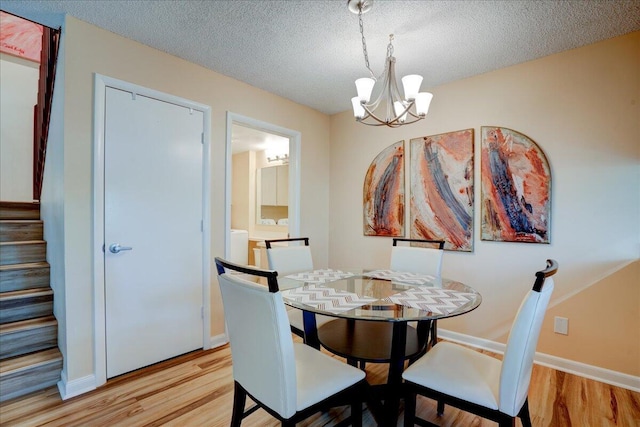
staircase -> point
(29, 355)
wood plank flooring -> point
(196, 389)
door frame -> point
(101, 83)
(295, 138)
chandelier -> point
(393, 109)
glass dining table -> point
(372, 310)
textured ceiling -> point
(311, 52)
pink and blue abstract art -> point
(516, 188)
(383, 193)
(441, 206)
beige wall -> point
(242, 190)
(18, 94)
(582, 108)
(596, 337)
(92, 50)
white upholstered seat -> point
(479, 383)
(289, 380)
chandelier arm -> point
(409, 122)
(395, 122)
(375, 104)
(390, 124)
(407, 108)
(370, 114)
(417, 116)
(393, 91)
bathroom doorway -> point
(262, 187)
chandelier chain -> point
(364, 45)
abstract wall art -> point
(516, 187)
(383, 193)
(441, 192)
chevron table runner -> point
(437, 301)
(326, 299)
(320, 276)
(401, 277)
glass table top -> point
(377, 294)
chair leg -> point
(239, 400)
(409, 409)
(434, 332)
(356, 413)
(507, 421)
(440, 410)
(524, 414)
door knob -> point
(115, 248)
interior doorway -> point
(263, 199)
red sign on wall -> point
(20, 37)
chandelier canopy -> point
(393, 109)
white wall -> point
(582, 107)
(19, 83)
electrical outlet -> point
(561, 325)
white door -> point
(153, 204)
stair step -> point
(26, 304)
(22, 252)
(19, 210)
(27, 336)
(29, 373)
(14, 230)
(16, 277)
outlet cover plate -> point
(561, 325)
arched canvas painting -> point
(516, 187)
(441, 198)
(383, 193)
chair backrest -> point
(417, 259)
(517, 363)
(289, 259)
(260, 337)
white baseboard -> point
(596, 373)
(219, 340)
(69, 389)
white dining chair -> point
(291, 381)
(289, 256)
(479, 383)
(419, 260)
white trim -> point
(69, 389)
(206, 228)
(99, 333)
(100, 84)
(591, 372)
(218, 340)
(294, 172)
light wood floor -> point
(196, 389)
